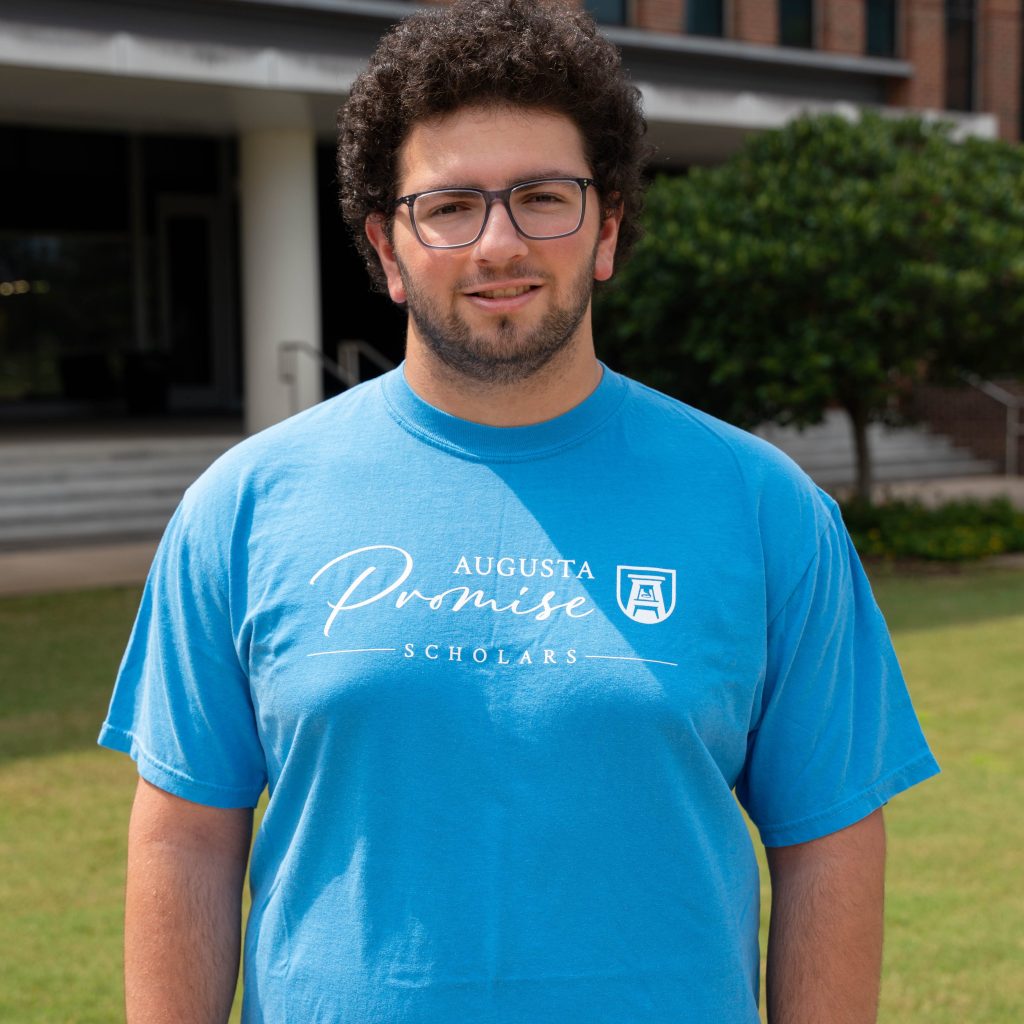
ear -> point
(604, 259)
(376, 232)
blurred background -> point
(171, 258)
(834, 258)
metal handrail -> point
(349, 352)
(286, 365)
(345, 370)
(1014, 425)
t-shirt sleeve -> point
(181, 706)
(837, 735)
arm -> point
(825, 937)
(186, 864)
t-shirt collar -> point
(485, 443)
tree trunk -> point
(859, 424)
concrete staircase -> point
(67, 491)
(826, 452)
(70, 491)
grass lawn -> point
(955, 908)
(955, 941)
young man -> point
(503, 631)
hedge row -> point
(958, 532)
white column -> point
(280, 273)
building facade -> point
(169, 237)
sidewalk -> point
(126, 564)
(75, 568)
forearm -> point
(825, 937)
(183, 913)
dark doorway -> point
(351, 309)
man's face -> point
(498, 310)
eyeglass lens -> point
(540, 209)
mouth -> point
(504, 293)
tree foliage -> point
(827, 262)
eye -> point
(445, 209)
(447, 205)
(543, 198)
(546, 196)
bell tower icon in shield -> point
(646, 594)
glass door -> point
(196, 302)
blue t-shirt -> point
(502, 684)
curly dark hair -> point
(506, 52)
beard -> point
(507, 353)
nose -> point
(500, 240)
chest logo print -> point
(645, 594)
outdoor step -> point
(37, 534)
(887, 473)
(106, 506)
(910, 438)
(86, 485)
(895, 449)
(114, 447)
(68, 489)
(826, 452)
(85, 468)
(950, 459)
(931, 470)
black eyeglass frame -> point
(501, 195)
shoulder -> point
(738, 476)
(735, 458)
(268, 459)
(261, 488)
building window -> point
(960, 17)
(105, 303)
(881, 28)
(796, 23)
(65, 266)
(704, 18)
(65, 316)
(608, 12)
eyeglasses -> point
(453, 217)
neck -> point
(563, 383)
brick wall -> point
(659, 15)
(843, 25)
(921, 40)
(922, 36)
(999, 63)
(755, 21)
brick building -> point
(169, 217)
(959, 55)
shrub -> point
(957, 532)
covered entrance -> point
(120, 278)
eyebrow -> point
(446, 186)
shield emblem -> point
(646, 594)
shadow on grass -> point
(59, 654)
(939, 598)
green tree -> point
(831, 261)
